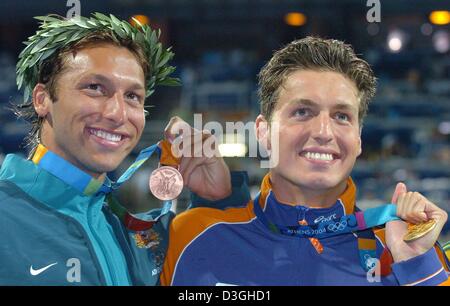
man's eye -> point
(342, 117)
(133, 97)
(94, 87)
(302, 112)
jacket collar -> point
(281, 213)
(67, 172)
(53, 181)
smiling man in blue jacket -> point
(59, 223)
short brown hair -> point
(314, 53)
(54, 66)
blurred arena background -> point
(220, 45)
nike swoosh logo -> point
(39, 271)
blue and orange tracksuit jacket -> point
(232, 246)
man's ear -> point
(360, 145)
(41, 100)
(263, 132)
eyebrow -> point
(311, 103)
(305, 102)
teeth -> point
(107, 136)
(319, 156)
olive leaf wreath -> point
(56, 32)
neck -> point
(290, 193)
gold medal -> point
(416, 231)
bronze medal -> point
(166, 183)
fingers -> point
(186, 140)
(399, 189)
(203, 169)
(211, 182)
(410, 205)
(201, 152)
(200, 144)
(435, 212)
(193, 147)
(188, 166)
(413, 207)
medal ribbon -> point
(358, 221)
(89, 186)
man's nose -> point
(115, 109)
(321, 128)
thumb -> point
(399, 189)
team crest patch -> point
(147, 239)
(158, 259)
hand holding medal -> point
(425, 222)
(205, 174)
(189, 157)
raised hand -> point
(413, 208)
(203, 169)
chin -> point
(108, 167)
(103, 166)
(319, 183)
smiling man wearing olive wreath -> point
(86, 81)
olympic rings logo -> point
(337, 226)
